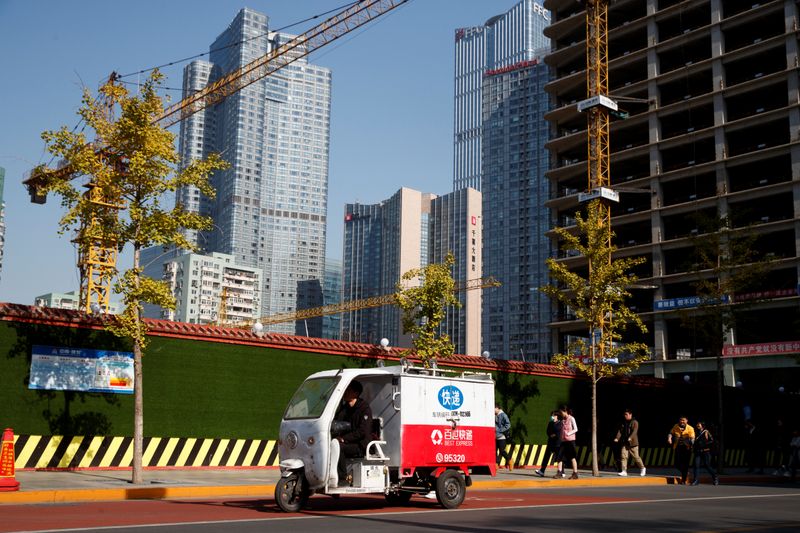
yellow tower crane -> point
(598, 107)
(355, 305)
(97, 255)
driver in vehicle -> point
(353, 443)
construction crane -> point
(97, 256)
(355, 305)
(599, 107)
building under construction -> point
(710, 130)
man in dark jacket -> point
(628, 437)
(553, 442)
(353, 443)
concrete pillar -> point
(728, 372)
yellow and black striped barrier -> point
(37, 452)
(54, 452)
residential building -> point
(332, 295)
(411, 230)
(212, 289)
(69, 300)
(713, 93)
(502, 41)
(270, 208)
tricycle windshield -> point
(311, 398)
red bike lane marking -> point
(149, 512)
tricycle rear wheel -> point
(450, 489)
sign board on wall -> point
(78, 369)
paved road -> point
(664, 508)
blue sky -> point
(392, 103)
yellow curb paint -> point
(135, 493)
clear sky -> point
(392, 103)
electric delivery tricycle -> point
(432, 430)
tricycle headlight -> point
(291, 440)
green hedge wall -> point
(207, 389)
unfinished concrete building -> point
(712, 91)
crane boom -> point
(97, 265)
(364, 303)
(338, 25)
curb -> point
(266, 491)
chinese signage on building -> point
(764, 348)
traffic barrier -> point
(8, 480)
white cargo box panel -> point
(447, 421)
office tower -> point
(411, 230)
(271, 204)
(212, 289)
(500, 133)
(331, 295)
(712, 90)
(516, 315)
(503, 40)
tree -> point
(425, 306)
(599, 301)
(725, 262)
(132, 165)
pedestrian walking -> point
(628, 438)
(780, 439)
(569, 429)
(681, 438)
(553, 443)
(502, 429)
(703, 444)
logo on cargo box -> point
(450, 397)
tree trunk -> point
(138, 395)
(720, 419)
(595, 469)
(138, 415)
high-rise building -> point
(331, 295)
(516, 316)
(503, 41)
(271, 204)
(411, 230)
(500, 137)
(212, 289)
(713, 92)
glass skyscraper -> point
(271, 204)
(504, 40)
(500, 136)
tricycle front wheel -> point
(290, 495)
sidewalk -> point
(37, 487)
